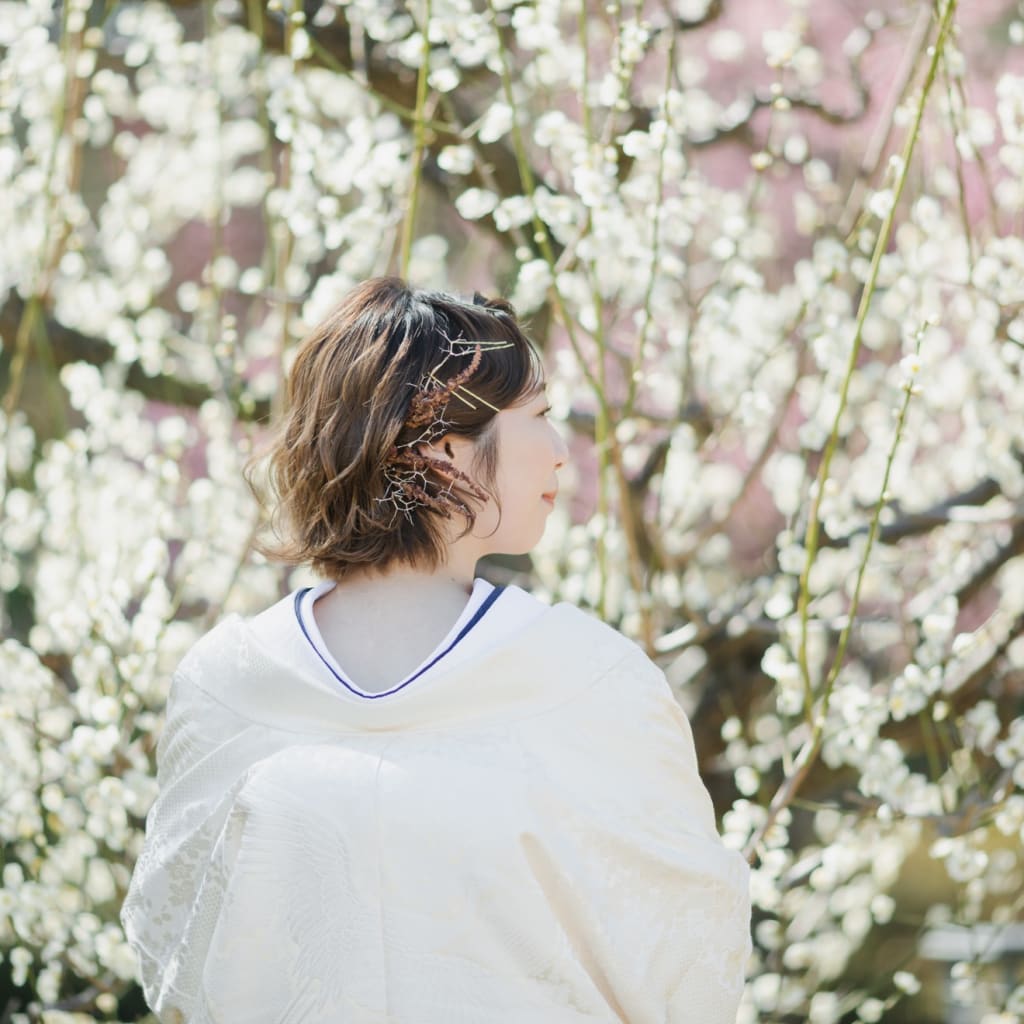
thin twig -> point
(809, 752)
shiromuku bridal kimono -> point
(517, 834)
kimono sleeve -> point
(203, 758)
(632, 856)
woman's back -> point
(524, 837)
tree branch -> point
(915, 523)
(71, 346)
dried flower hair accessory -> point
(405, 469)
(427, 400)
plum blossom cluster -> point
(725, 309)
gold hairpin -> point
(487, 344)
(468, 392)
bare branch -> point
(916, 523)
(985, 570)
(71, 346)
(714, 10)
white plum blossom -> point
(475, 203)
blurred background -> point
(772, 253)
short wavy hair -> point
(347, 398)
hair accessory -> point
(406, 469)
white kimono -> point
(518, 837)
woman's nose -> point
(562, 449)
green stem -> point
(652, 275)
(602, 419)
(419, 145)
(22, 340)
(881, 244)
(872, 534)
(540, 235)
(329, 60)
(282, 242)
(605, 438)
(223, 353)
(809, 752)
(957, 125)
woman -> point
(405, 794)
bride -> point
(406, 794)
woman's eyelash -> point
(544, 412)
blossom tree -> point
(773, 255)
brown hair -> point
(349, 394)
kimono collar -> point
(545, 662)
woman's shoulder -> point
(591, 628)
(209, 649)
(273, 624)
(227, 636)
(579, 626)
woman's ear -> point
(445, 447)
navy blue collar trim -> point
(477, 615)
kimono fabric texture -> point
(522, 839)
